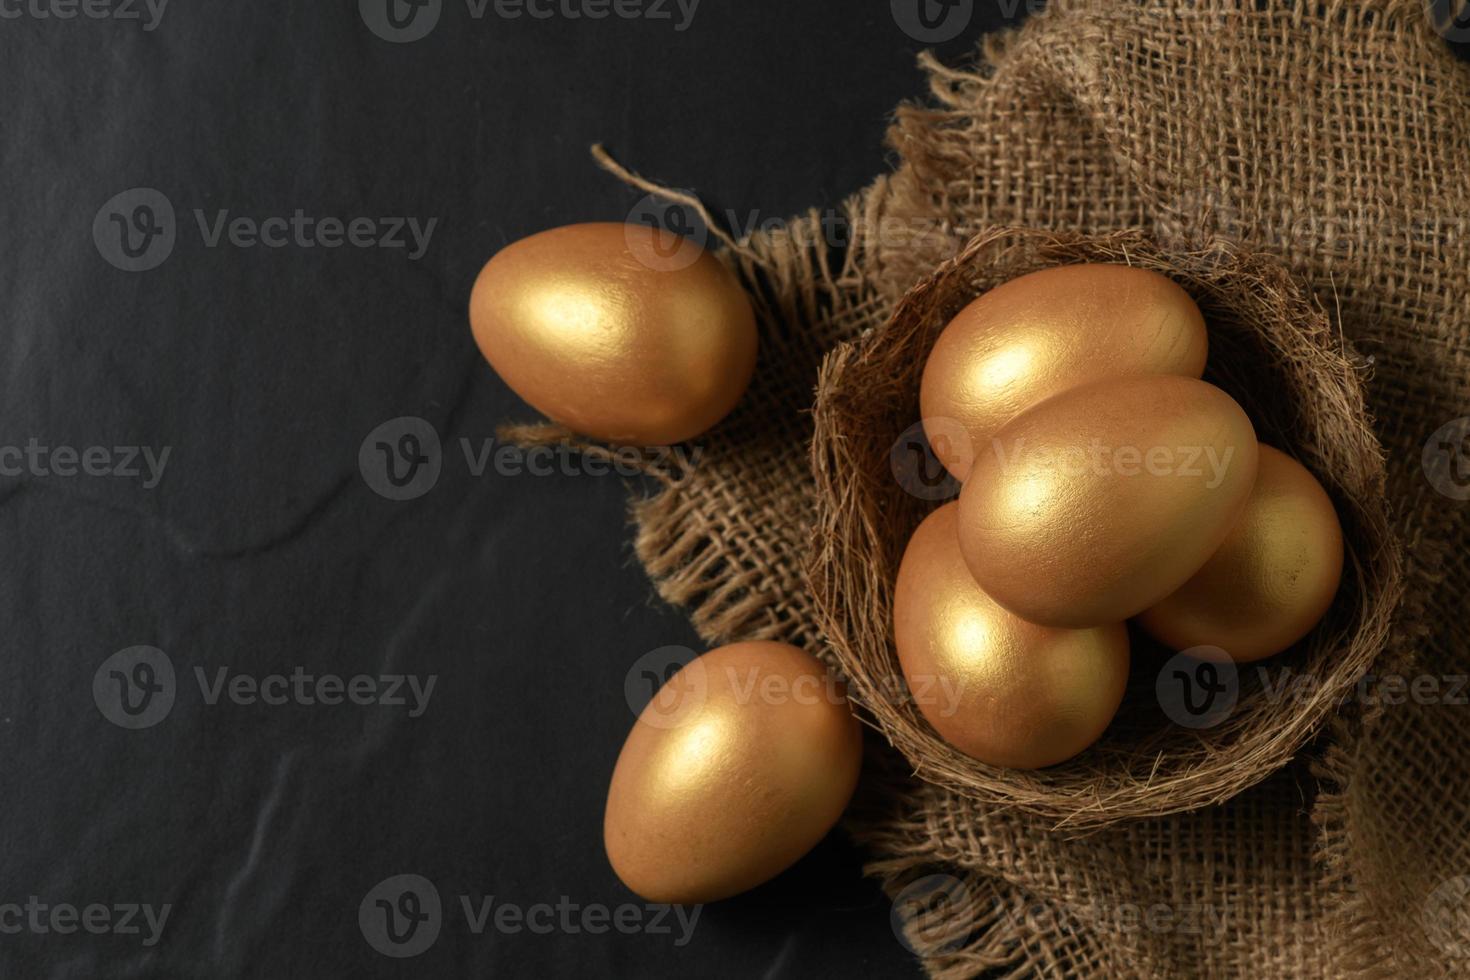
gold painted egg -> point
(1097, 503)
(1271, 581)
(1005, 691)
(587, 325)
(737, 767)
(1042, 333)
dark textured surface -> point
(262, 548)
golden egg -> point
(1000, 689)
(606, 329)
(1040, 334)
(1273, 578)
(736, 768)
(1097, 503)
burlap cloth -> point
(1334, 137)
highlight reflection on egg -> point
(588, 327)
(1271, 581)
(1000, 689)
(1042, 333)
(737, 768)
(1097, 503)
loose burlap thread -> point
(1334, 138)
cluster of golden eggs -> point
(1104, 482)
(746, 757)
(1101, 481)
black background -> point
(263, 548)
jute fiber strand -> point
(1306, 171)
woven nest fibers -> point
(1276, 352)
